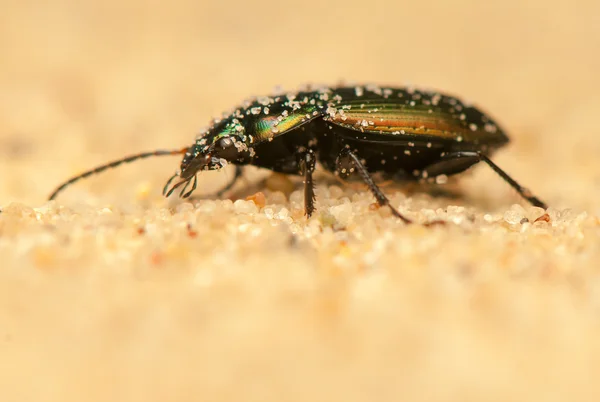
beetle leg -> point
(307, 166)
(458, 161)
(238, 173)
(382, 200)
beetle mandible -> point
(403, 133)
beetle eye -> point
(225, 148)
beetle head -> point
(222, 144)
(223, 150)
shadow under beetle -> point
(401, 133)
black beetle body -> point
(400, 132)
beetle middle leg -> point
(456, 162)
(382, 200)
(307, 167)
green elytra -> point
(370, 109)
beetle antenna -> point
(113, 164)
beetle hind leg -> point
(381, 198)
(456, 162)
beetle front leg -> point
(458, 161)
(382, 200)
(307, 167)
(238, 173)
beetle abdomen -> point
(401, 158)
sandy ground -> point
(114, 293)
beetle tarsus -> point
(382, 200)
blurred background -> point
(85, 81)
(94, 308)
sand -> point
(112, 292)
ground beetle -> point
(401, 133)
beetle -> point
(352, 131)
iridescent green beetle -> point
(402, 133)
